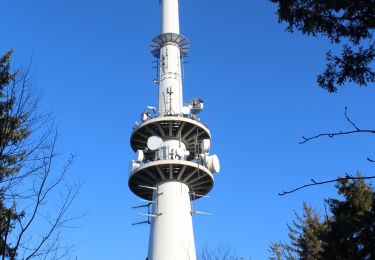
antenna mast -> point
(173, 162)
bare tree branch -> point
(356, 130)
(28, 141)
(221, 252)
(315, 183)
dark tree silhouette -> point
(28, 142)
(305, 234)
(221, 252)
(355, 129)
(347, 231)
(351, 229)
(349, 23)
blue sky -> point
(92, 62)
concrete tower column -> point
(170, 16)
(170, 81)
(171, 234)
(173, 165)
(170, 78)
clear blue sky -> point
(91, 60)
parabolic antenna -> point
(139, 156)
(185, 110)
(213, 163)
(180, 152)
(206, 145)
(154, 143)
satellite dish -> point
(205, 145)
(212, 163)
(185, 110)
(154, 143)
(139, 156)
(180, 152)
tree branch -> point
(333, 134)
(315, 183)
(27, 176)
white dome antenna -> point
(154, 143)
(212, 163)
(139, 156)
(205, 146)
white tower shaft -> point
(170, 78)
(173, 164)
(170, 16)
(171, 235)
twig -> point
(333, 134)
(315, 183)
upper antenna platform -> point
(165, 38)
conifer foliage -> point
(351, 232)
(12, 133)
(346, 232)
(28, 227)
(12, 128)
(304, 234)
(349, 23)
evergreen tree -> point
(350, 23)
(305, 235)
(12, 133)
(348, 233)
(12, 128)
(277, 250)
(27, 181)
(351, 232)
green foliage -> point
(27, 152)
(304, 235)
(8, 218)
(5, 76)
(12, 133)
(351, 231)
(349, 22)
(348, 233)
(277, 250)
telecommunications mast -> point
(173, 165)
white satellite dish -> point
(212, 163)
(185, 110)
(205, 145)
(180, 152)
(139, 156)
(154, 143)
